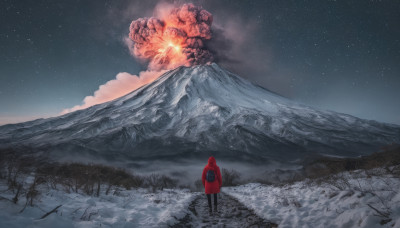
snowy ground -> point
(344, 200)
(230, 213)
(123, 208)
(350, 199)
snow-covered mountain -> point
(197, 111)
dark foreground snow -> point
(231, 213)
(120, 208)
(359, 198)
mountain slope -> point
(198, 111)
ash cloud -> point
(179, 35)
(199, 36)
(175, 37)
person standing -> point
(212, 182)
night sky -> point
(337, 55)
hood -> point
(211, 161)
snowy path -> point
(231, 213)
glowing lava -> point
(176, 47)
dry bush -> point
(70, 177)
(88, 178)
(15, 167)
(287, 200)
(32, 193)
(339, 181)
(230, 177)
(2, 165)
(198, 185)
(159, 182)
(16, 196)
(388, 158)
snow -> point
(200, 108)
(121, 208)
(343, 200)
(311, 204)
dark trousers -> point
(209, 200)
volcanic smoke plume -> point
(175, 39)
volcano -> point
(194, 112)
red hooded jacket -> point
(215, 186)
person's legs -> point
(209, 202)
(215, 202)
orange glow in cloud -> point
(174, 38)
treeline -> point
(90, 179)
(388, 158)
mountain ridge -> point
(198, 111)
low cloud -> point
(123, 84)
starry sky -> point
(338, 55)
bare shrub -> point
(87, 178)
(16, 167)
(198, 185)
(230, 177)
(287, 200)
(284, 201)
(32, 193)
(120, 177)
(339, 181)
(384, 214)
(389, 156)
(296, 203)
(16, 197)
(159, 182)
(2, 165)
(88, 213)
(168, 182)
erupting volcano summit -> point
(194, 112)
